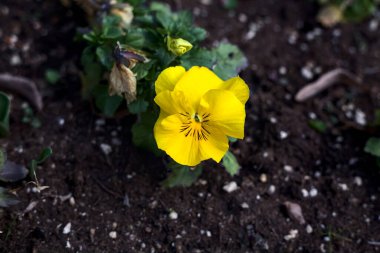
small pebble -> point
(243, 18)
(273, 120)
(358, 181)
(244, 205)
(343, 187)
(360, 117)
(113, 234)
(305, 193)
(272, 189)
(173, 215)
(313, 192)
(307, 73)
(208, 233)
(263, 178)
(292, 235)
(283, 135)
(288, 168)
(231, 187)
(309, 229)
(282, 70)
(72, 201)
(107, 149)
(15, 60)
(67, 228)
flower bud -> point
(122, 82)
(330, 15)
(125, 12)
(178, 46)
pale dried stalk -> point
(326, 80)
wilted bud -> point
(125, 12)
(122, 82)
(178, 46)
(330, 15)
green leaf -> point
(45, 154)
(108, 105)
(230, 4)
(181, 176)
(138, 106)
(229, 60)
(4, 114)
(52, 76)
(104, 54)
(142, 133)
(231, 164)
(199, 33)
(112, 33)
(197, 57)
(12, 172)
(358, 10)
(373, 146)
(92, 71)
(318, 125)
(232, 139)
(6, 199)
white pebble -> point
(288, 168)
(358, 181)
(173, 215)
(373, 25)
(305, 193)
(15, 60)
(282, 70)
(309, 229)
(283, 135)
(67, 228)
(272, 189)
(107, 149)
(360, 117)
(313, 192)
(72, 201)
(263, 178)
(307, 73)
(292, 235)
(244, 205)
(243, 18)
(68, 244)
(206, 2)
(113, 234)
(230, 187)
(343, 187)
(273, 120)
(208, 233)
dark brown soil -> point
(120, 192)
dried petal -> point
(122, 82)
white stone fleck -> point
(67, 229)
(307, 73)
(263, 178)
(173, 215)
(231, 187)
(265, 154)
(113, 234)
(282, 70)
(283, 135)
(272, 189)
(343, 187)
(373, 25)
(309, 229)
(206, 2)
(208, 233)
(72, 201)
(312, 115)
(288, 168)
(273, 120)
(305, 193)
(244, 205)
(107, 149)
(61, 121)
(15, 60)
(313, 192)
(360, 117)
(358, 181)
(243, 18)
(68, 244)
(293, 233)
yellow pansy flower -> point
(198, 111)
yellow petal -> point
(237, 86)
(226, 112)
(184, 150)
(215, 146)
(173, 102)
(168, 78)
(196, 82)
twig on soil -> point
(104, 188)
(23, 87)
(374, 243)
(325, 81)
